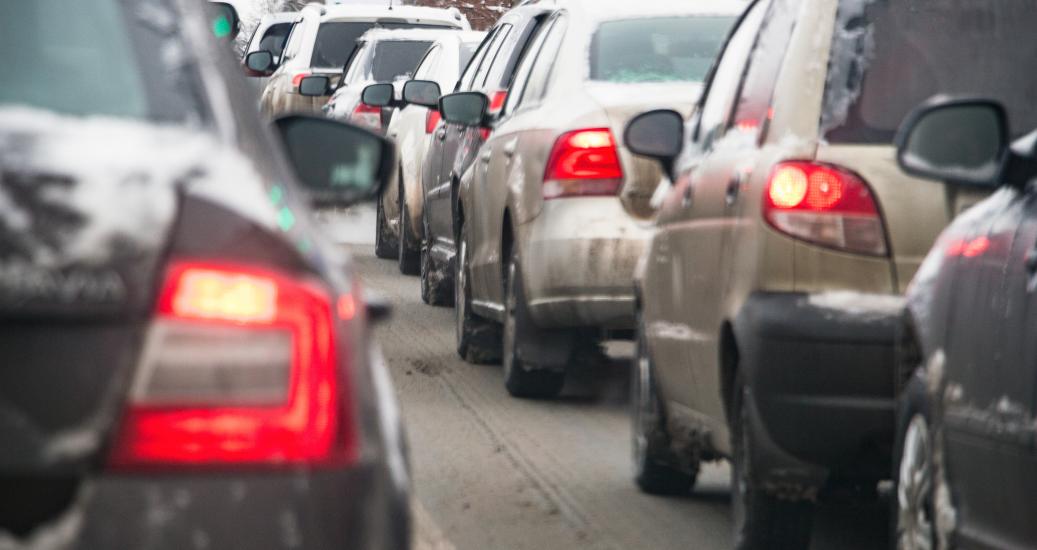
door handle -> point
(441, 134)
(510, 148)
(485, 156)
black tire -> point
(657, 468)
(912, 509)
(520, 378)
(761, 521)
(385, 245)
(478, 340)
(436, 286)
(409, 251)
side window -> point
(754, 101)
(465, 83)
(274, 38)
(540, 75)
(723, 86)
(525, 68)
(491, 56)
(292, 43)
(428, 64)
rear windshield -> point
(893, 55)
(670, 49)
(336, 40)
(389, 60)
(82, 58)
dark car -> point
(967, 475)
(454, 146)
(185, 361)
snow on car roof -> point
(604, 10)
(342, 12)
(381, 35)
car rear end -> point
(596, 196)
(842, 230)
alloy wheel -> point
(914, 489)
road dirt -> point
(494, 472)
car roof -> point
(383, 35)
(341, 12)
(606, 10)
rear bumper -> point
(579, 263)
(314, 510)
(820, 372)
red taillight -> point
(368, 116)
(583, 163)
(297, 79)
(824, 205)
(497, 100)
(239, 368)
(432, 119)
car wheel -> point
(657, 469)
(384, 244)
(409, 252)
(913, 510)
(760, 519)
(520, 378)
(435, 284)
(478, 339)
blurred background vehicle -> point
(552, 215)
(772, 289)
(323, 40)
(270, 35)
(187, 360)
(381, 56)
(412, 127)
(966, 463)
(454, 147)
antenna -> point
(390, 4)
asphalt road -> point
(493, 472)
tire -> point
(913, 516)
(761, 521)
(478, 340)
(657, 471)
(436, 286)
(521, 379)
(385, 246)
(409, 252)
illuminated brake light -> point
(240, 367)
(432, 119)
(824, 205)
(297, 79)
(497, 100)
(583, 163)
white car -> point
(322, 41)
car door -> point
(695, 235)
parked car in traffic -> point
(967, 466)
(323, 40)
(271, 35)
(415, 117)
(381, 56)
(187, 361)
(552, 217)
(454, 147)
(770, 295)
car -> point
(453, 149)
(966, 466)
(413, 124)
(553, 215)
(188, 361)
(381, 56)
(771, 292)
(322, 41)
(271, 34)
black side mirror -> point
(379, 95)
(962, 141)
(658, 135)
(261, 62)
(422, 92)
(339, 164)
(466, 109)
(315, 86)
(224, 20)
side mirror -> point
(315, 86)
(658, 135)
(422, 92)
(465, 108)
(224, 20)
(339, 164)
(379, 95)
(261, 62)
(957, 140)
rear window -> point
(893, 55)
(670, 49)
(336, 40)
(387, 61)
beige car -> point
(553, 211)
(770, 293)
(321, 43)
